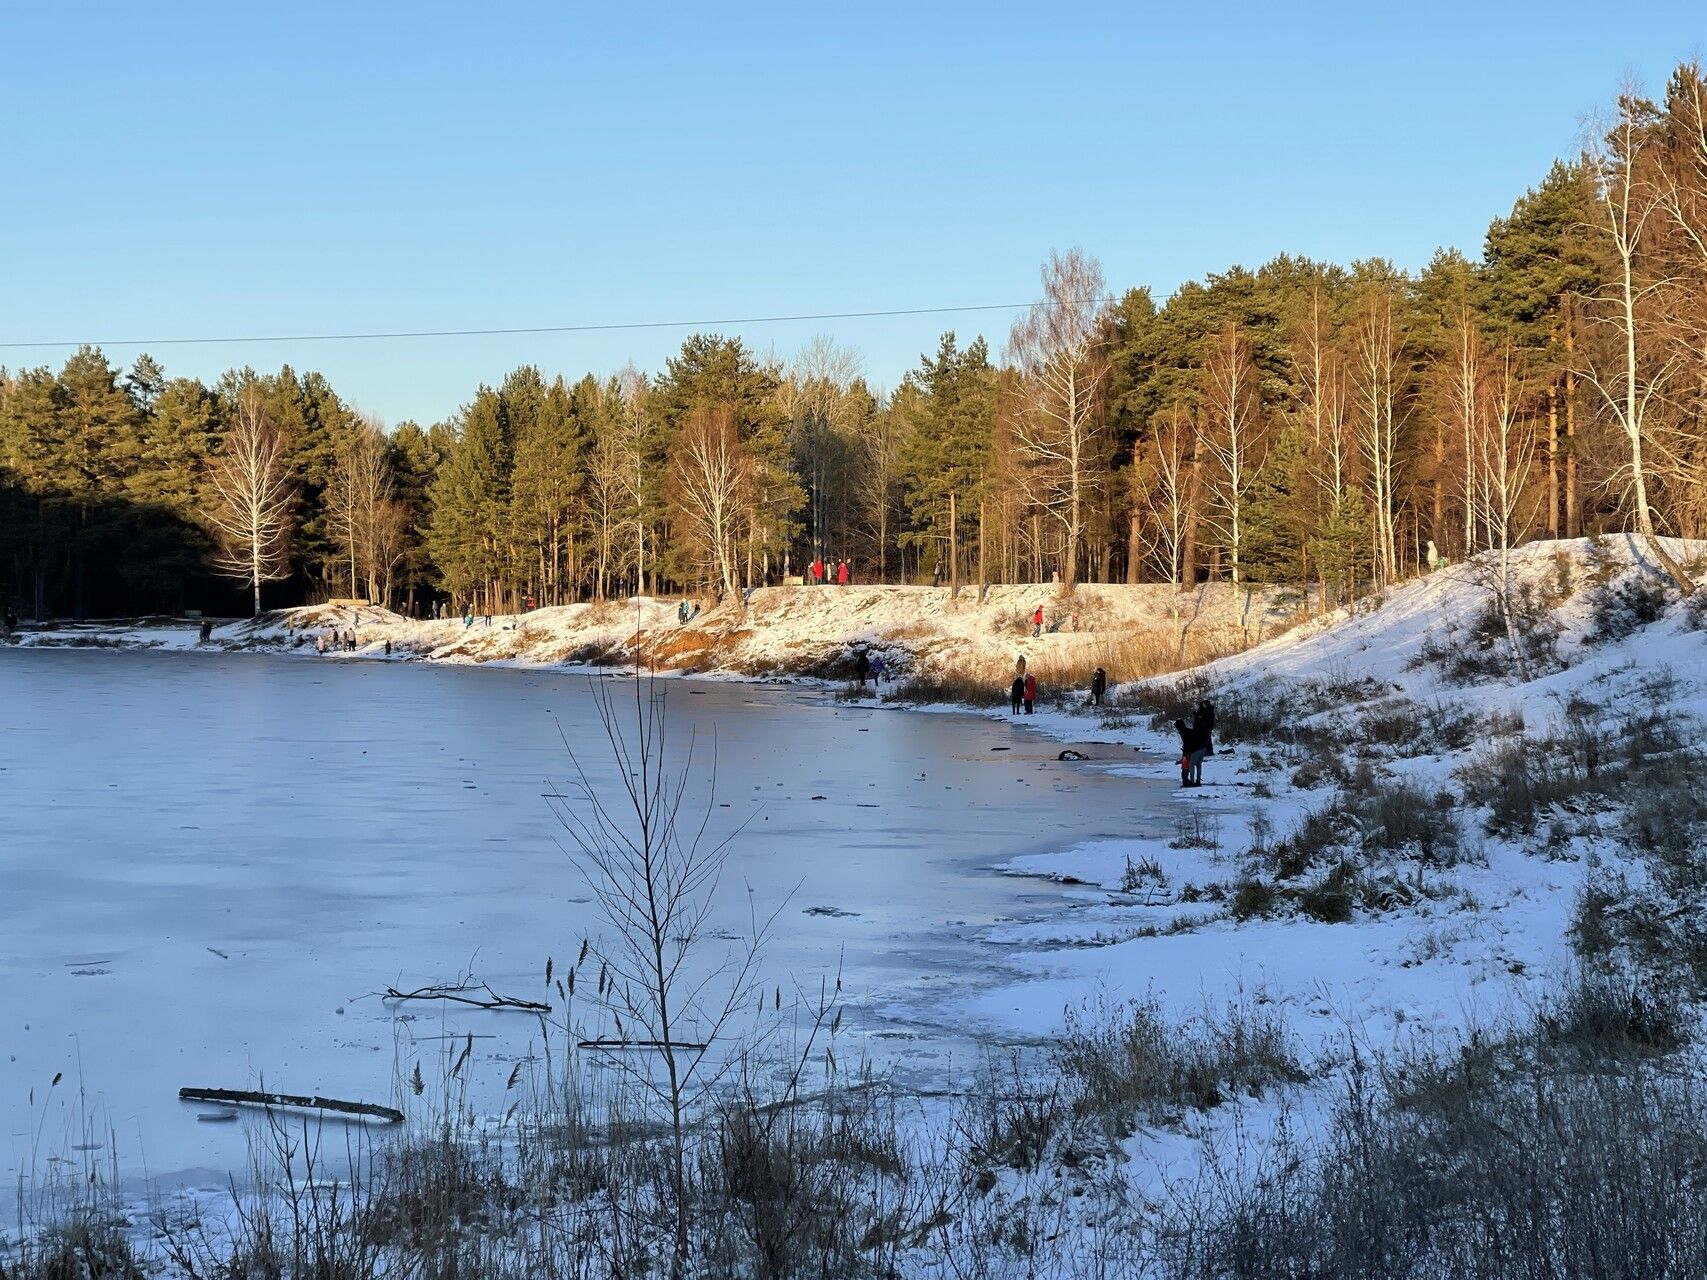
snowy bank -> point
(920, 632)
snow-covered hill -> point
(1330, 731)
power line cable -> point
(617, 327)
(531, 329)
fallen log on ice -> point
(459, 994)
(256, 1098)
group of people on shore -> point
(824, 574)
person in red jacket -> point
(1037, 622)
(1030, 692)
(842, 573)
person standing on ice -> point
(862, 667)
(1099, 686)
(1037, 623)
(876, 670)
(1198, 739)
(1016, 693)
(1187, 744)
(1030, 692)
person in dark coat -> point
(1198, 740)
(1030, 692)
(862, 667)
(1187, 745)
(1017, 692)
(1099, 686)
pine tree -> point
(947, 456)
(1276, 530)
(469, 526)
(1342, 548)
(550, 442)
(94, 435)
(416, 456)
(1538, 268)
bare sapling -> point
(669, 987)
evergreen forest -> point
(1320, 426)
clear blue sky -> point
(236, 169)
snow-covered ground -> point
(1145, 887)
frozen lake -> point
(209, 864)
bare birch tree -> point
(1161, 483)
(1465, 394)
(608, 506)
(356, 495)
(254, 501)
(634, 388)
(1231, 439)
(1630, 380)
(817, 396)
(877, 480)
(1320, 374)
(1375, 374)
(710, 488)
(1503, 450)
(1058, 347)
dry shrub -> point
(1133, 1062)
(1499, 1159)
(83, 1248)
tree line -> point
(1329, 427)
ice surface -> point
(211, 862)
